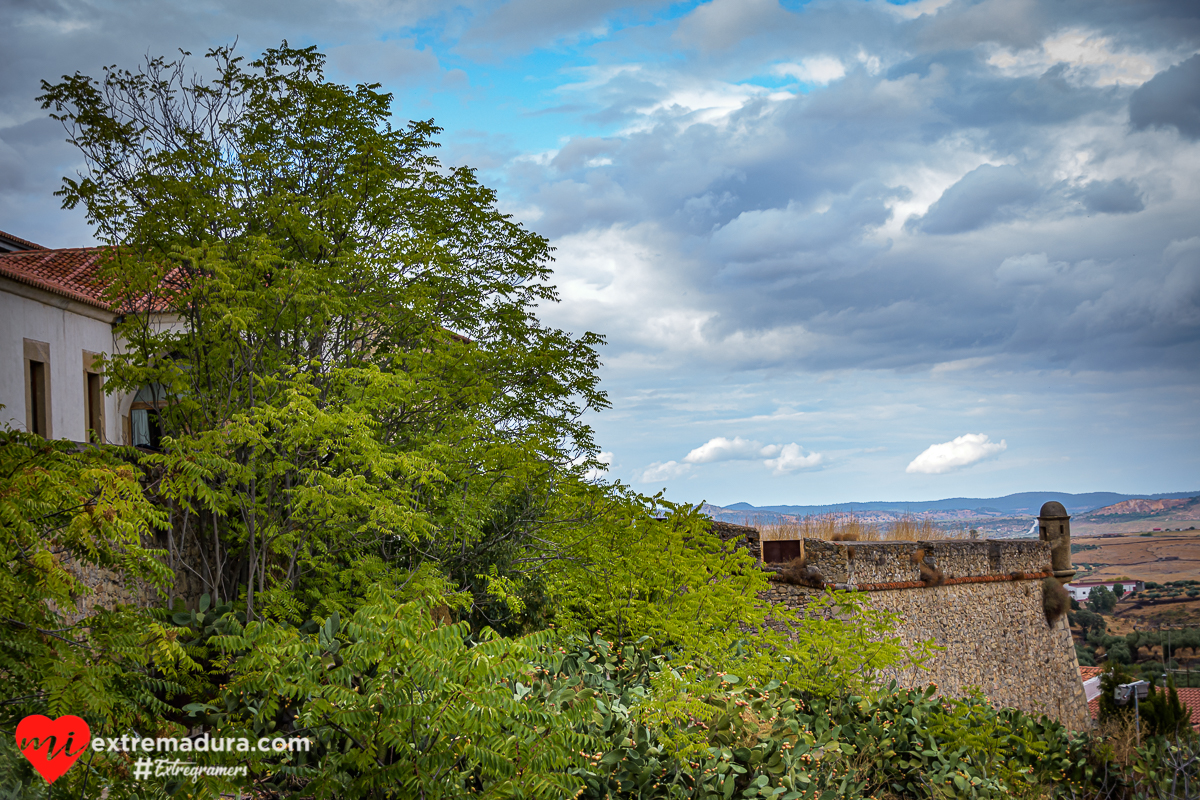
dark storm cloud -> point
(1015, 23)
(777, 244)
(968, 188)
(1170, 98)
(1111, 197)
(982, 181)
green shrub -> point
(1101, 600)
(1120, 653)
(1090, 621)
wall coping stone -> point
(867, 563)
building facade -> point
(55, 326)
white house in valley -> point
(1081, 590)
(54, 324)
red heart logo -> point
(52, 745)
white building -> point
(53, 325)
(1081, 590)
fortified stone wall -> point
(996, 637)
(985, 610)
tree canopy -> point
(339, 331)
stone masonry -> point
(986, 616)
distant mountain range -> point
(1023, 504)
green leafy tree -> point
(1101, 600)
(1120, 652)
(1163, 712)
(1085, 655)
(678, 586)
(354, 380)
(361, 414)
(1113, 676)
(1090, 621)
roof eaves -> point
(21, 244)
(53, 287)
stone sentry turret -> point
(1054, 528)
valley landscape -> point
(1161, 556)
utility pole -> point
(1136, 690)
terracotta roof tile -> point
(74, 272)
(70, 272)
(1090, 672)
(23, 244)
(1189, 697)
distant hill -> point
(1141, 508)
(1024, 504)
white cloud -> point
(1087, 54)
(962, 452)
(960, 364)
(820, 70)
(780, 458)
(659, 471)
(872, 63)
(792, 458)
(690, 102)
(735, 449)
(914, 10)
(594, 473)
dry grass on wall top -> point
(849, 528)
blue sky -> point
(842, 251)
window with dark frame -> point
(37, 398)
(37, 388)
(94, 407)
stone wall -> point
(744, 535)
(107, 588)
(995, 637)
(986, 615)
(854, 563)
